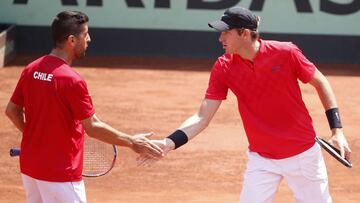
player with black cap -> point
(264, 76)
(236, 17)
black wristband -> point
(333, 117)
(179, 138)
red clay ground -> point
(142, 94)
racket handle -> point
(14, 152)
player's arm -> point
(188, 130)
(324, 90)
(328, 101)
(193, 125)
(16, 115)
(95, 128)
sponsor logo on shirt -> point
(275, 69)
(42, 76)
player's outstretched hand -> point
(165, 144)
(142, 145)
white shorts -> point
(305, 174)
(38, 191)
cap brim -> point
(219, 25)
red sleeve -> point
(80, 101)
(217, 88)
(303, 67)
(18, 96)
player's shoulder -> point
(60, 69)
(273, 45)
(35, 63)
(223, 63)
(67, 71)
(29, 68)
(225, 60)
(69, 75)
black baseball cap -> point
(235, 17)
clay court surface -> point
(152, 94)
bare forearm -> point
(106, 133)
(191, 127)
(16, 115)
(324, 91)
(18, 121)
(194, 125)
(327, 96)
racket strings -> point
(98, 157)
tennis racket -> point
(333, 151)
(99, 157)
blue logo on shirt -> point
(275, 69)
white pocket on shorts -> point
(312, 164)
(255, 162)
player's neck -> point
(249, 52)
(62, 54)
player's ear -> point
(71, 39)
(247, 32)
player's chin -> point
(227, 51)
(80, 55)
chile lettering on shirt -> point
(42, 76)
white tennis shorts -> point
(39, 191)
(305, 174)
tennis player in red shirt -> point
(264, 76)
(51, 106)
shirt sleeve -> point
(217, 88)
(80, 101)
(303, 67)
(18, 94)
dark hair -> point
(255, 35)
(67, 23)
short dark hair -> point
(67, 23)
(254, 33)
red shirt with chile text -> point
(55, 99)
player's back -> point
(51, 135)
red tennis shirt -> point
(275, 119)
(55, 98)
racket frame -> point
(333, 151)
